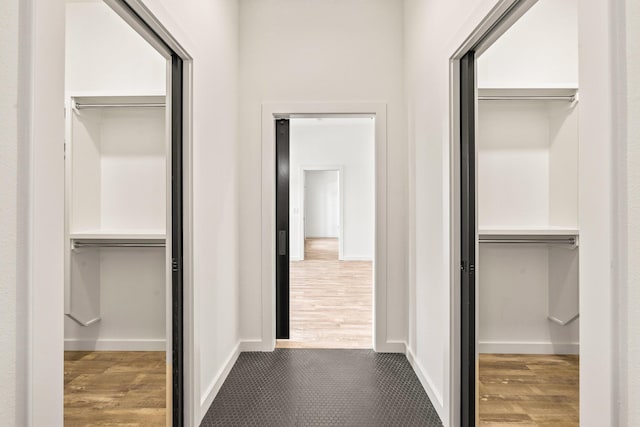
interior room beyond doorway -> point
(331, 232)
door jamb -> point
(497, 21)
(141, 20)
(270, 112)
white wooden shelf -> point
(531, 94)
(528, 232)
(119, 235)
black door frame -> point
(467, 240)
(282, 228)
(177, 214)
(501, 20)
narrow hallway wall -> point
(11, 376)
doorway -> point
(326, 217)
(321, 213)
(519, 237)
(125, 247)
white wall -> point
(434, 31)
(104, 54)
(349, 144)
(330, 51)
(209, 31)
(322, 204)
(10, 375)
(539, 50)
(630, 412)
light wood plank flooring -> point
(331, 300)
(112, 388)
(540, 390)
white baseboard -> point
(71, 344)
(526, 347)
(391, 347)
(256, 345)
(356, 258)
(427, 383)
(214, 387)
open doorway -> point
(331, 209)
(519, 235)
(124, 219)
(321, 213)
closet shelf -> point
(149, 235)
(80, 102)
(531, 94)
(528, 231)
(552, 235)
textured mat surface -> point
(300, 387)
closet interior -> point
(527, 216)
(117, 199)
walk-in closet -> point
(116, 166)
(527, 216)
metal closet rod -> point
(119, 245)
(80, 106)
(569, 98)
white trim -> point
(392, 346)
(191, 322)
(527, 347)
(214, 387)
(356, 258)
(303, 206)
(71, 344)
(436, 398)
(270, 111)
(153, 22)
(255, 345)
(44, 76)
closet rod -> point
(118, 245)
(152, 105)
(569, 241)
(569, 98)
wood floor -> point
(331, 300)
(540, 390)
(107, 388)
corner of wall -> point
(214, 387)
(435, 397)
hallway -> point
(321, 387)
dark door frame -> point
(495, 24)
(467, 240)
(282, 228)
(177, 197)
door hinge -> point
(174, 265)
(463, 267)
